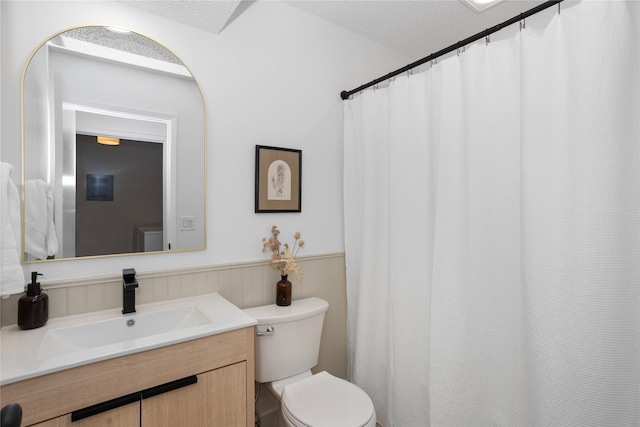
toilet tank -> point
(287, 340)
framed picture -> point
(278, 179)
(99, 188)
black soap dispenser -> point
(33, 308)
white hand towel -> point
(40, 238)
(11, 274)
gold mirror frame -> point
(177, 162)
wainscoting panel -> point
(246, 285)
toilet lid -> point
(324, 400)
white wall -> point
(272, 77)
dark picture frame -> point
(99, 188)
(278, 179)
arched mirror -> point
(113, 148)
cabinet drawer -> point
(49, 396)
(218, 399)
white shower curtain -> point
(492, 217)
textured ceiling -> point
(416, 28)
(126, 42)
(208, 15)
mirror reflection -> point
(113, 148)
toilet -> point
(287, 345)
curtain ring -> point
(523, 24)
(558, 8)
(487, 39)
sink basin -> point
(62, 341)
(72, 341)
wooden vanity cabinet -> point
(217, 399)
(220, 394)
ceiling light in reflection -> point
(107, 140)
(118, 30)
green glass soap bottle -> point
(33, 308)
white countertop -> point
(21, 350)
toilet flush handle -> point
(269, 331)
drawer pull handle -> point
(90, 411)
(131, 398)
(165, 388)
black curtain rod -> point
(346, 94)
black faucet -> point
(129, 285)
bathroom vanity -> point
(198, 372)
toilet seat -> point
(324, 400)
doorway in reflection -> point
(134, 89)
(119, 197)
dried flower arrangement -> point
(283, 258)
